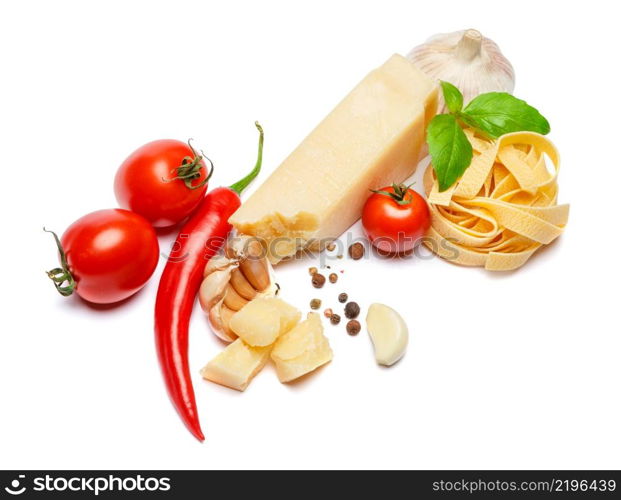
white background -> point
(517, 370)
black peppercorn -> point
(318, 280)
(352, 310)
(353, 327)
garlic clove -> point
(232, 299)
(468, 60)
(388, 332)
(219, 317)
(241, 285)
(213, 288)
(255, 265)
(232, 280)
(256, 271)
(226, 314)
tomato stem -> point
(399, 194)
(242, 184)
(190, 169)
(61, 275)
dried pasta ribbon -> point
(504, 207)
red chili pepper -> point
(199, 240)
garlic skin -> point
(468, 60)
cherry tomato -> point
(106, 256)
(395, 218)
(164, 181)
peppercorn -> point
(335, 319)
(312, 270)
(356, 251)
(333, 277)
(328, 313)
(342, 298)
(353, 327)
(318, 280)
(315, 304)
(352, 310)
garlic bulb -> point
(468, 60)
(233, 279)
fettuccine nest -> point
(503, 208)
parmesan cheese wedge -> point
(236, 366)
(372, 138)
(301, 350)
(262, 320)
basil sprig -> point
(492, 114)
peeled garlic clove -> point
(468, 60)
(388, 332)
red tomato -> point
(164, 181)
(395, 218)
(106, 256)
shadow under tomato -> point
(167, 231)
(77, 301)
(383, 254)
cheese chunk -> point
(372, 138)
(236, 365)
(301, 350)
(262, 320)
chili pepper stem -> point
(242, 184)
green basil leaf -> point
(450, 150)
(452, 97)
(498, 113)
